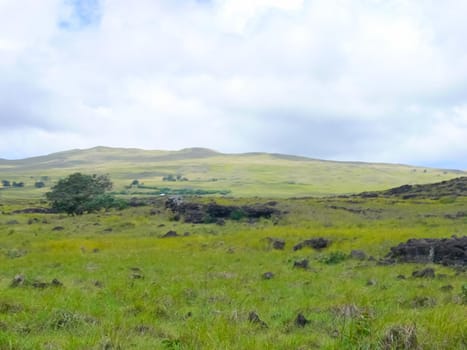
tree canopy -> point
(79, 193)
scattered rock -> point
(7, 308)
(401, 277)
(56, 283)
(137, 276)
(268, 275)
(170, 234)
(276, 243)
(18, 280)
(400, 337)
(425, 273)
(446, 251)
(254, 318)
(315, 243)
(386, 262)
(137, 273)
(301, 321)
(371, 283)
(58, 228)
(12, 222)
(422, 301)
(447, 288)
(33, 221)
(303, 264)
(98, 284)
(34, 211)
(358, 254)
(39, 284)
(198, 213)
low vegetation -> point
(251, 273)
(233, 254)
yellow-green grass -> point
(265, 175)
(196, 291)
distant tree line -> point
(7, 183)
(174, 178)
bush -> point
(39, 184)
(80, 193)
(333, 258)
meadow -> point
(117, 280)
(110, 281)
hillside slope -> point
(250, 174)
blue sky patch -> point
(84, 13)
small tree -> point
(79, 193)
(39, 184)
(6, 183)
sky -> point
(359, 80)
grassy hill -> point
(249, 174)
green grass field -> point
(244, 175)
(109, 281)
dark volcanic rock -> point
(454, 187)
(198, 213)
(254, 318)
(276, 243)
(303, 264)
(446, 251)
(56, 283)
(358, 254)
(301, 321)
(18, 280)
(315, 243)
(33, 211)
(268, 275)
(170, 234)
(425, 273)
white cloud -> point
(291, 76)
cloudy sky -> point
(369, 80)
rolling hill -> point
(248, 174)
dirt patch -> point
(446, 251)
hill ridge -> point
(202, 152)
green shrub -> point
(333, 258)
